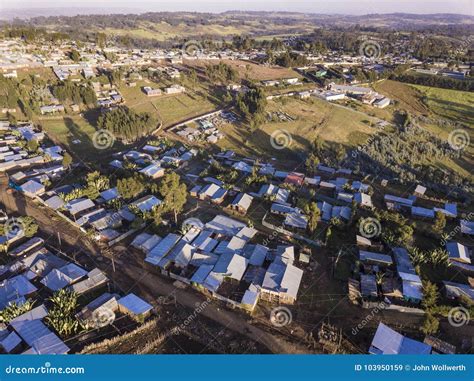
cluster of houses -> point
(222, 258)
(205, 128)
(363, 94)
(33, 274)
(15, 154)
(109, 224)
(170, 90)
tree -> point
(312, 163)
(440, 222)
(67, 160)
(127, 124)
(130, 187)
(430, 295)
(174, 194)
(314, 214)
(430, 324)
(74, 55)
(33, 145)
(11, 119)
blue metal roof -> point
(387, 341)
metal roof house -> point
(281, 283)
(15, 288)
(296, 220)
(389, 342)
(458, 252)
(162, 248)
(66, 275)
(456, 290)
(242, 203)
(417, 211)
(147, 203)
(449, 210)
(467, 227)
(109, 194)
(363, 200)
(33, 188)
(375, 258)
(225, 225)
(368, 286)
(231, 266)
(153, 171)
(95, 278)
(39, 337)
(79, 205)
(135, 306)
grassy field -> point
(437, 104)
(450, 104)
(405, 96)
(249, 70)
(77, 134)
(314, 119)
(169, 109)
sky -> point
(314, 6)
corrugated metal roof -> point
(387, 341)
(134, 304)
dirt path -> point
(133, 277)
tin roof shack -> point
(135, 307)
(281, 283)
(389, 342)
(33, 188)
(455, 291)
(241, 203)
(411, 282)
(368, 286)
(458, 252)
